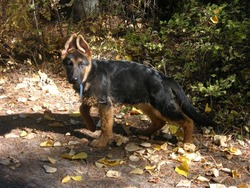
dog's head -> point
(76, 58)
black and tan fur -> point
(106, 82)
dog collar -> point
(81, 90)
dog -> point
(103, 83)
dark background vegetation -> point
(203, 44)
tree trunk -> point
(85, 8)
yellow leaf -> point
(207, 108)
(128, 57)
(214, 19)
(75, 114)
(182, 169)
(81, 155)
(47, 143)
(217, 10)
(23, 134)
(135, 111)
(173, 129)
(110, 162)
(66, 179)
(150, 167)
(233, 151)
(156, 147)
(236, 174)
(66, 156)
(76, 178)
(118, 57)
(136, 171)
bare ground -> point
(28, 108)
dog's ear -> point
(70, 44)
(83, 46)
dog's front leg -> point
(106, 113)
(87, 119)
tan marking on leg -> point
(106, 114)
(188, 127)
(87, 119)
(158, 121)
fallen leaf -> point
(23, 134)
(47, 143)
(217, 185)
(113, 174)
(146, 144)
(51, 160)
(66, 179)
(202, 178)
(134, 158)
(55, 124)
(75, 114)
(136, 171)
(76, 178)
(132, 147)
(110, 162)
(182, 169)
(236, 174)
(207, 108)
(184, 183)
(49, 169)
(81, 155)
(233, 151)
(57, 144)
(214, 19)
(189, 147)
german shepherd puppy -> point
(105, 82)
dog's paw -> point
(100, 142)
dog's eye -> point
(68, 63)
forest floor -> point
(41, 134)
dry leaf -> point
(214, 19)
(136, 171)
(113, 174)
(233, 151)
(66, 179)
(23, 134)
(236, 174)
(202, 178)
(189, 147)
(47, 143)
(216, 185)
(76, 178)
(57, 144)
(51, 160)
(184, 183)
(207, 108)
(49, 169)
(132, 147)
(182, 169)
(134, 158)
(81, 155)
(109, 162)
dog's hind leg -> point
(157, 120)
(187, 125)
(87, 119)
(106, 113)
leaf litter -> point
(145, 159)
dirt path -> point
(36, 108)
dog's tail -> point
(188, 108)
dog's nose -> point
(73, 80)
